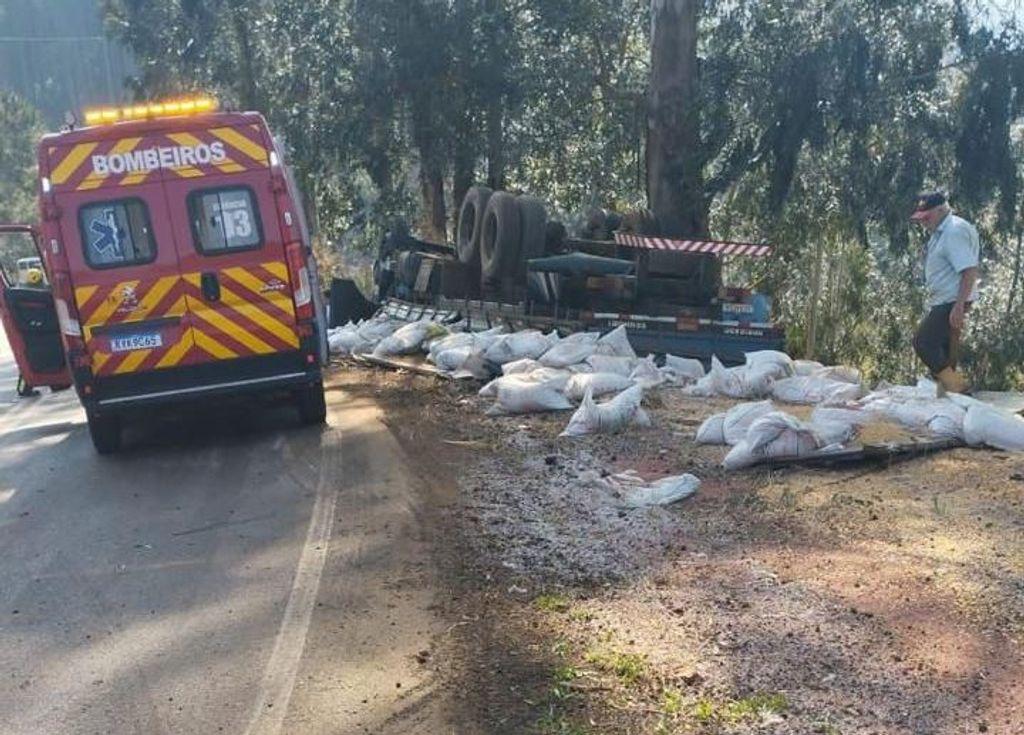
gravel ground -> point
(872, 599)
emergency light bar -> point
(191, 106)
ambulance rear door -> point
(230, 244)
(121, 253)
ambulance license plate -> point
(131, 342)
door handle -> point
(210, 286)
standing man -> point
(951, 279)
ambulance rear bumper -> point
(223, 378)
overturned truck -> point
(511, 265)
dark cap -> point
(926, 201)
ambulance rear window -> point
(224, 220)
(116, 233)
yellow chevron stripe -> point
(136, 178)
(253, 313)
(227, 165)
(277, 268)
(83, 294)
(153, 298)
(208, 344)
(93, 180)
(187, 172)
(236, 140)
(99, 359)
(230, 328)
(110, 304)
(180, 348)
(130, 363)
(256, 285)
(71, 162)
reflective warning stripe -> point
(217, 320)
(71, 162)
(276, 268)
(252, 312)
(132, 361)
(154, 296)
(177, 352)
(99, 359)
(83, 294)
(227, 165)
(258, 287)
(208, 344)
(93, 180)
(236, 140)
(110, 304)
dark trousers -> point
(935, 342)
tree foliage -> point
(20, 128)
(809, 124)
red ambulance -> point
(176, 246)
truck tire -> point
(534, 230)
(499, 241)
(105, 431)
(311, 404)
(470, 225)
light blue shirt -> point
(952, 249)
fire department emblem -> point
(128, 297)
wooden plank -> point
(869, 453)
(419, 367)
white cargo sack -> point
(526, 365)
(806, 367)
(712, 431)
(773, 436)
(616, 344)
(611, 364)
(453, 359)
(408, 339)
(738, 419)
(450, 342)
(598, 384)
(646, 374)
(514, 396)
(777, 364)
(374, 330)
(684, 367)
(813, 389)
(567, 352)
(638, 493)
(510, 347)
(841, 373)
(347, 340)
(548, 377)
(614, 415)
(988, 425)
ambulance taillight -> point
(67, 318)
(302, 289)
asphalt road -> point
(230, 572)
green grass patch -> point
(628, 667)
(552, 603)
(734, 711)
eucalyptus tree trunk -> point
(675, 176)
(675, 181)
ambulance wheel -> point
(105, 431)
(311, 404)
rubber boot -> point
(952, 381)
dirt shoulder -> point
(875, 599)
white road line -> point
(275, 690)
